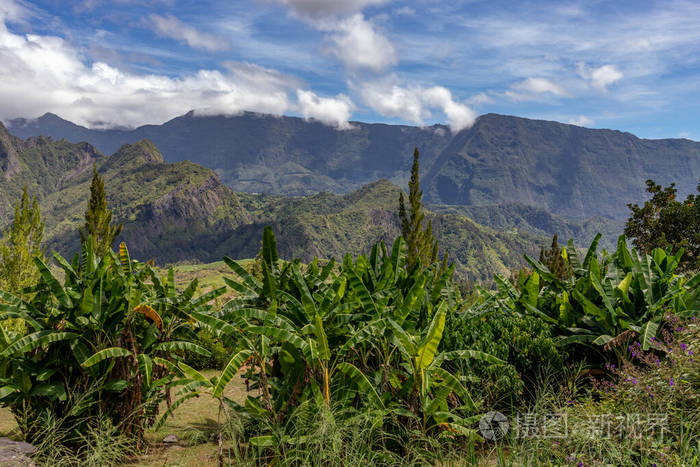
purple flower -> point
(683, 346)
(634, 380)
(670, 382)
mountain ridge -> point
(174, 212)
(568, 170)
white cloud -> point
(332, 111)
(539, 86)
(581, 120)
(404, 11)
(459, 116)
(414, 103)
(45, 73)
(359, 45)
(171, 27)
(600, 78)
(11, 10)
(480, 99)
(323, 9)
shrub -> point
(220, 353)
(524, 342)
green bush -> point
(219, 356)
(524, 342)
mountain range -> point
(182, 211)
(564, 169)
(197, 188)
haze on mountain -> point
(564, 169)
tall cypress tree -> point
(98, 218)
(20, 244)
(421, 244)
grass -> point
(209, 275)
(193, 422)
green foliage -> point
(219, 353)
(99, 343)
(664, 222)
(98, 218)
(421, 244)
(363, 336)
(20, 244)
(525, 342)
(608, 299)
(555, 262)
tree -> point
(98, 218)
(20, 244)
(555, 262)
(665, 222)
(421, 244)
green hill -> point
(183, 212)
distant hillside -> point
(564, 169)
(521, 218)
(183, 212)
(262, 153)
(331, 225)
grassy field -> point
(193, 423)
(209, 275)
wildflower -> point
(684, 347)
(634, 380)
(670, 382)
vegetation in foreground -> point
(378, 359)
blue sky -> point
(633, 66)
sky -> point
(627, 65)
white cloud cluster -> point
(171, 27)
(602, 77)
(359, 45)
(415, 103)
(534, 88)
(332, 111)
(45, 73)
(355, 40)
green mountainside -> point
(174, 212)
(521, 218)
(568, 170)
(565, 169)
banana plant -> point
(606, 296)
(101, 330)
(427, 384)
